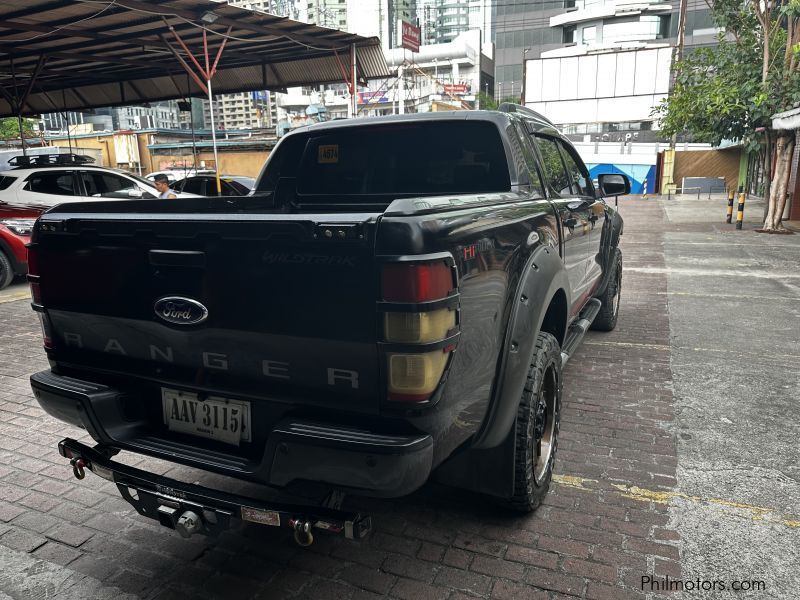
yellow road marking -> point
(665, 348)
(14, 297)
(758, 513)
(572, 481)
(628, 345)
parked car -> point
(16, 224)
(394, 303)
(177, 174)
(206, 185)
(70, 178)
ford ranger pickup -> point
(394, 302)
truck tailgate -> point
(290, 300)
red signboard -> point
(411, 37)
(455, 88)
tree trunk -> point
(784, 149)
(767, 173)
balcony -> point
(609, 10)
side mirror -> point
(135, 192)
(613, 184)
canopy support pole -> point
(17, 107)
(353, 94)
(207, 73)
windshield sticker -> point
(328, 154)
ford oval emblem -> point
(180, 311)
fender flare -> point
(609, 244)
(544, 276)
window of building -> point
(568, 34)
(663, 26)
(588, 34)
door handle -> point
(570, 222)
(177, 258)
(579, 204)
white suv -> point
(50, 185)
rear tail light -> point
(36, 292)
(47, 331)
(416, 281)
(33, 262)
(36, 296)
(420, 327)
(414, 377)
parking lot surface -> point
(677, 459)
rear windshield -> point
(422, 158)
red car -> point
(16, 223)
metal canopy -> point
(58, 55)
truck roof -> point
(540, 124)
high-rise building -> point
(525, 30)
(442, 20)
(245, 110)
(156, 115)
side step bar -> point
(578, 329)
(190, 508)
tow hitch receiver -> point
(192, 509)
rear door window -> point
(194, 185)
(234, 188)
(6, 181)
(576, 171)
(526, 150)
(107, 185)
(554, 171)
(57, 183)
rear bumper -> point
(191, 508)
(344, 457)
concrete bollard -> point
(729, 216)
(740, 211)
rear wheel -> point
(6, 271)
(606, 319)
(537, 426)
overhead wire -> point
(67, 25)
(212, 31)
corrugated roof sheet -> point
(90, 54)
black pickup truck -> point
(394, 302)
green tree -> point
(732, 90)
(487, 102)
(9, 128)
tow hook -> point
(188, 524)
(302, 532)
(78, 466)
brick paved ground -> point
(595, 537)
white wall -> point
(607, 87)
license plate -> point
(264, 517)
(215, 418)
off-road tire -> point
(537, 422)
(606, 319)
(6, 271)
